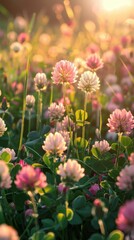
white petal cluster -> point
(89, 82)
(71, 170)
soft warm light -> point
(110, 5)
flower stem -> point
(24, 108)
(51, 96)
(101, 225)
(85, 107)
(39, 111)
(29, 121)
(118, 150)
(35, 215)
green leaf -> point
(76, 220)
(5, 156)
(47, 161)
(96, 153)
(48, 223)
(79, 202)
(62, 220)
(69, 213)
(116, 235)
(96, 236)
(33, 135)
(37, 165)
(84, 212)
(80, 142)
(126, 141)
(2, 220)
(49, 236)
(81, 116)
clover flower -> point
(131, 158)
(10, 151)
(40, 82)
(56, 111)
(2, 127)
(94, 62)
(30, 101)
(5, 179)
(102, 146)
(89, 82)
(54, 144)
(121, 121)
(30, 178)
(125, 181)
(125, 219)
(71, 171)
(8, 233)
(64, 72)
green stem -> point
(24, 108)
(29, 121)
(85, 107)
(31, 194)
(28, 225)
(5, 207)
(51, 96)
(118, 150)
(39, 111)
(101, 225)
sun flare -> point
(110, 5)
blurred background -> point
(88, 9)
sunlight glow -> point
(110, 5)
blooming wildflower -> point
(5, 179)
(102, 146)
(12, 36)
(115, 88)
(30, 101)
(121, 121)
(125, 219)
(80, 64)
(65, 135)
(20, 23)
(131, 158)
(10, 151)
(64, 72)
(68, 124)
(2, 127)
(54, 144)
(71, 170)
(109, 57)
(8, 233)
(94, 62)
(125, 181)
(30, 178)
(94, 189)
(40, 82)
(110, 78)
(111, 106)
(62, 188)
(89, 82)
(16, 47)
(45, 39)
(56, 111)
(23, 37)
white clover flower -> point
(5, 178)
(54, 144)
(30, 101)
(10, 151)
(2, 127)
(56, 111)
(89, 82)
(71, 170)
(40, 82)
(102, 146)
